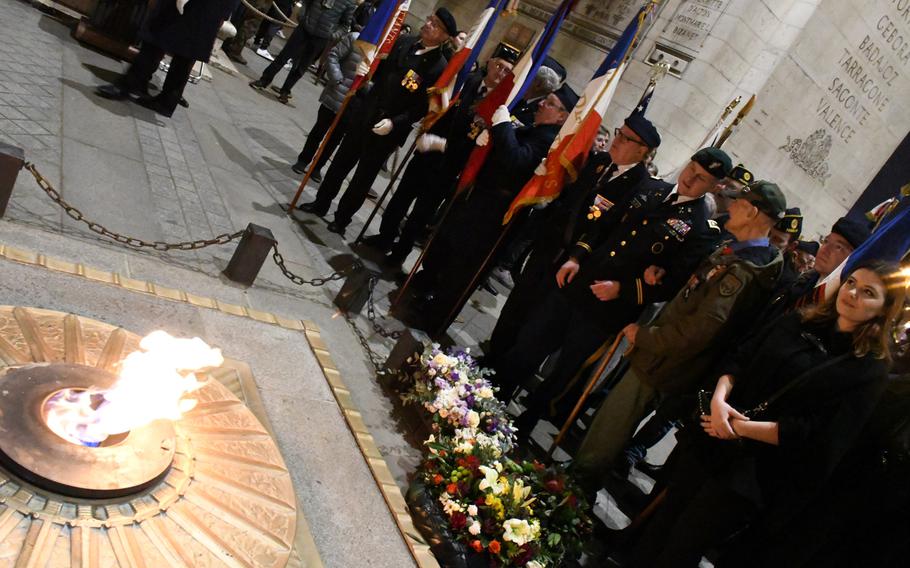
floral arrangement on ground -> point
(519, 513)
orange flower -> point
(494, 546)
(437, 479)
(451, 489)
(477, 545)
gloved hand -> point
(501, 114)
(383, 127)
(483, 138)
(180, 5)
(430, 143)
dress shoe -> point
(653, 471)
(488, 286)
(337, 228)
(314, 207)
(112, 92)
(378, 242)
(155, 104)
(301, 169)
(284, 97)
(236, 58)
(258, 85)
(503, 276)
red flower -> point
(477, 545)
(480, 502)
(458, 520)
(727, 250)
(554, 485)
(437, 479)
(452, 489)
(525, 554)
(539, 466)
(495, 547)
(472, 463)
(572, 502)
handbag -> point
(703, 397)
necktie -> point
(608, 174)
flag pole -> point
(739, 118)
(388, 188)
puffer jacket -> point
(341, 66)
(321, 18)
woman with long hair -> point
(788, 406)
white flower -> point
(473, 419)
(534, 564)
(472, 510)
(491, 480)
(451, 506)
(519, 532)
(474, 528)
(485, 392)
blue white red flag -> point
(573, 143)
(377, 37)
(513, 87)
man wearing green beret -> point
(670, 356)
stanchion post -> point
(12, 158)
(355, 292)
(255, 246)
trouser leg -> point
(416, 178)
(345, 159)
(308, 54)
(143, 68)
(324, 118)
(356, 193)
(290, 50)
(668, 412)
(177, 76)
(612, 428)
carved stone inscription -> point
(691, 24)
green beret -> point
(714, 160)
(768, 197)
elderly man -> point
(397, 100)
(603, 288)
(670, 356)
(441, 155)
(473, 230)
(592, 205)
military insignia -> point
(712, 224)
(411, 80)
(729, 285)
(594, 213)
(679, 227)
(747, 177)
(476, 129)
(794, 224)
(599, 169)
(657, 248)
(714, 165)
(602, 203)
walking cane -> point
(604, 362)
(388, 188)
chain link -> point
(301, 281)
(371, 315)
(133, 242)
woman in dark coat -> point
(186, 30)
(761, 471)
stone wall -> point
(827, 74)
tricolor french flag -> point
(513, 87)
(573, 143)
(377, 37)
(890, 242)
(453, 77)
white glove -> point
(501, 114)
(383, 127)
(430, 143)
(541, 168)
(180, 5)
(483, 138)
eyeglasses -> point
(618, 133)
(556, 105)
(836, 245)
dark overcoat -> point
(190, 35)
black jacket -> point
(191, 35)
(399, 90)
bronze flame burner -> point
(31, 450)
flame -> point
(151, 385)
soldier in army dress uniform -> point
(605, 288)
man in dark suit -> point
(473, 230)
(593, 204)
(604, 288)
(441, 154)
(397, 99)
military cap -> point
(741, 174)
(768, 197)
(448, 21)
(855, 232)
(810, 247)
(645, 130)
(714, 160)
(566, 96)
(506, 52)
(791, 223)
(555, 66)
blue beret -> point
(645, 130)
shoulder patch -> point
(713, 225)
(729, 285)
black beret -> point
(555, 66)
(768, 197)
(645, 130)
(741, 174)
(791, 223)
(715, 161)
(855, 232)
(810, 247)
(506, 52)
(448, 21)
(566, 96)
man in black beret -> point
(473, 230)
(644, 258)
(383, 118)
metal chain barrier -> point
(133, 242)
(371, 315)
(301, 281)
